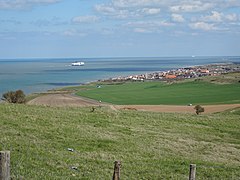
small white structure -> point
(78, 64)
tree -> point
(14, 97)
(199, 109)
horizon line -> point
(109, 57)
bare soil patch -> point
(176, 108)
(61, 100)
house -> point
(170, 76)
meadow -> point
(154, 93)
(149, 145)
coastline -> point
(215, 69)
(189, 72)
(65, 96)
(172, 74)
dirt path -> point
(175, 108)
(61, 100)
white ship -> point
(78, 63)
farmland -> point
(154, 93)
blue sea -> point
(38, 75)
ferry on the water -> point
(78, 63)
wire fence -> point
(129, 170)
(79, 167)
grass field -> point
(149, 145)
(153, 93)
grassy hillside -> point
(150, 145)
(152, 93)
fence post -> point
(192, 172)
(4, 165)
(116, 173)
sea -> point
(40, 75)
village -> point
(183, 73)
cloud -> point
(203, 26)
(136, 3)
(229, 3)
(148, 16)
(105, 9)
(144, 8)
(112, 11)
(178, 18)
(85, 19)
(193, 6)
(148, 26)
(214, 17)
(124, 13)
(142, 30)
(74, 32)
(219, 17)
(175, 6)
(201, 5)
(232, 17)
(23, 4)
(151, 11)
(178, 4)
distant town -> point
(183, 73)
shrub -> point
(14, 97)
(199, 109)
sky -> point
(119, 28)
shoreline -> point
(182, 73)
(234, 66)
(188, 72)
(64, 97)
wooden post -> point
(192, 172)
(4, 165)
(116, 173)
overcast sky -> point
(118, 28)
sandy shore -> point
(69, 100)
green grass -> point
(153, 93)
(229, 78)
(149, 145)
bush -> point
(199, 109)
(14, 97)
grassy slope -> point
(163, 93)
(150, 145)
